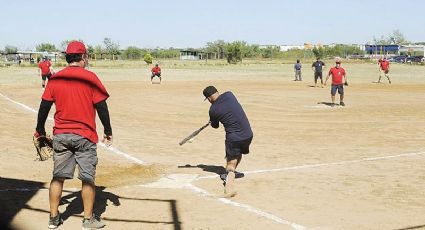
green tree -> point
(319, 52)
(45, 47)
(234, 52)
(398, 38)
(394, 38)
(271, 51)
(10, 49)
(148, 58)
(132, 52)
(112, 48)
(90, 49)
(218, 47)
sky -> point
(193, 23)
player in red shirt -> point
(338, 80)
(384, 68)
(77, 94)
(156, 71)
(45, 70)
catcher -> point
(77, 94)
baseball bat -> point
(192, 135)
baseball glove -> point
(43, 146)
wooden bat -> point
(192, 135)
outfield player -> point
(77, 94)
(226, 109)
(156, 71)
(317, 67)
(297, 70)
(338, 80)
(384, 69)
(45, 71)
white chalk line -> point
(322, 164)
(110, 148)
(233, 203)
(245, 207)
(190, 186)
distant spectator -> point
(297, 70)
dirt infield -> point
(311, 166)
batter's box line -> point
(366, 159)
(245, 207)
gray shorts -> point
(71, 150)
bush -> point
(132, 52)
(234, 52)
(148, 58)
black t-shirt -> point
(318, 66)
(227, 110)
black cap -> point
(210, 90)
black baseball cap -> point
(210, 90)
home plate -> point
(172, 181)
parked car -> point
(398, 59)
(414, 59)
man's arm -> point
(214, 121)
(327, 77)
(102, 110)
(43, 112)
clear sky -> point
(193, 23)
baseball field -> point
(311, 166)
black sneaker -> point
(342, 103)
(54, 222)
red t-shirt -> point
(384, 64)
(45, 67)
(337, 75)
(75, 90)
(156, 69)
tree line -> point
(233, 52)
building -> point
(382, 49)
(284, 48)
(413, 50)
(192, 54)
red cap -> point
(76, 47)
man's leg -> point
(333, 92)
(230, 168)
(55, 193)
(321, 80)
(388, 76)
(300, 77)
(315, 79)
(88, 193)
(380, 76)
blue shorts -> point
(71, 150)
(339, 88)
